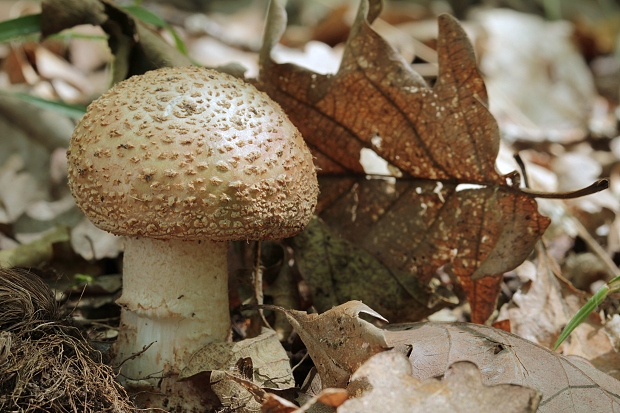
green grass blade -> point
(149, 17)
(66, 109)
(21, 26)
(146, 16)
(583, 313)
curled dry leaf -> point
(338, 340)
(385, 383)
(567, 384)
(437, 137)
(327, 398)
(277, 404)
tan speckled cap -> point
(191, 153)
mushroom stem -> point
(175, 293)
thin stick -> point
(595, 247)
(258, 284)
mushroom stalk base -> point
(175, 297)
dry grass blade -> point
(45, 364)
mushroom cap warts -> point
(191, 153)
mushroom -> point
(180, 160)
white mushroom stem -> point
(175, 294)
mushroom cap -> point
(191, 153)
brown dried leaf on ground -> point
(437, 137)
(543, 306)
(337, 271)
(537, 311)
(567, 384)
(325, 401)
(338, 341)
(385, 383)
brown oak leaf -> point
(438, 137)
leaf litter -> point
(351, 217)
(566, 383)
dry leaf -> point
(541, 90)
(235, 393)
(542, 307)
(53, 67)
(277, 404)
(537, 312)
(386, 384)
(337, 271)
(338, 340)
(239, 371)
(324, 401)
(35, 253)
(270, 362)
(14, 203)
(437, 137)
(94, 244)
(503, 358)
(591, 341)
(86, 54)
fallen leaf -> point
(88, 54)
(315, 55)
(337, 271)
(270, 363)
(437, 138)
(53, 67)
(238, 372)
(92, 243)
(277, 404)
(36, 252)
(322, 402)
(14, 203)
(541, 90)
(541, 309)
(236, 393)
(567, 384)
(338, 341)
(537, 311)
(43, 210)
(591, 341)
(385, 383)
